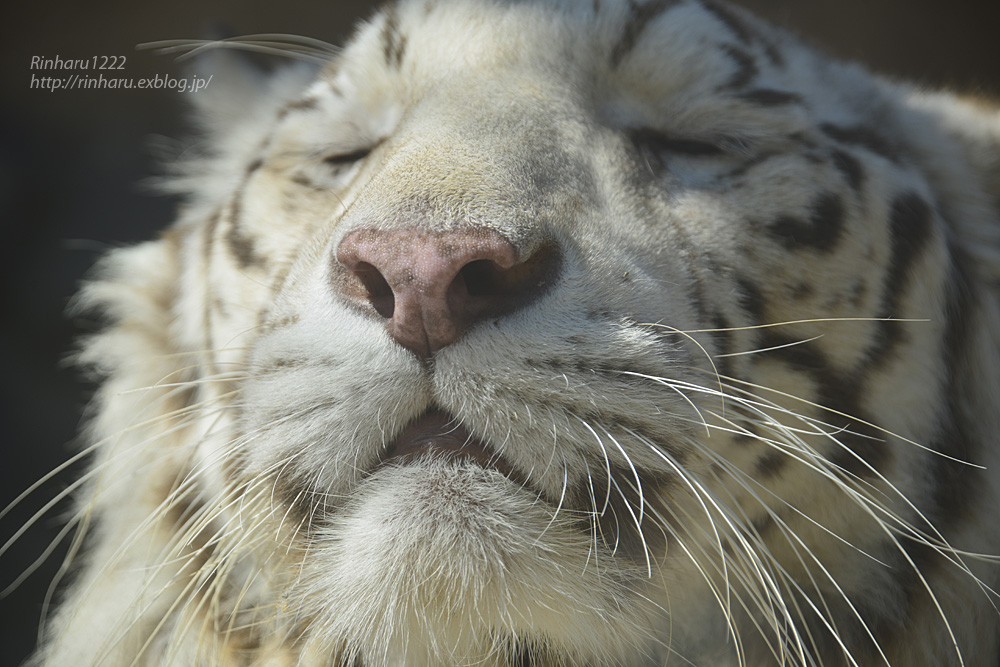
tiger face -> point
(550, 333)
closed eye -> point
(343, 159)
(663, 145)
(324, 169)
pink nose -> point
(432, 286)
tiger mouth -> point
(438, 435)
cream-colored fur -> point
(751, 421)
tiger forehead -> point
(656, 47)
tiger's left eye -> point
(343, 159)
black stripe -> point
(861, 136)
(730, 20)
(909, 232)
(770, 98)
(523, 653)
(743, 32)
(850, 168)
(803, 290)
(746, 67)
(306, 182)
(240, 245)
(954, 489)
(750, 300)
(749, 164)
(773, 54)
(862, 448)
(656, 144)
(821, 232)
(857, 292)
(723, 334)
(954, 483)
(770, 464)
(304, 104)
(722, 339)
(641, 16)
(208, 238)
(910, 228)
(393, 43)
(208, 241)
(748, 421)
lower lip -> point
(440, 435)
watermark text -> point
(54, 73)
(77, 81)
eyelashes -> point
(698, 163)
(657, 149)
(340, 160)
(653, 143)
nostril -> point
(379, 293)
(432, 286)
(493, 289)
(482, 278)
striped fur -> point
(750, 420)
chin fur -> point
(444, 564)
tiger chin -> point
(552, 333)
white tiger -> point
(544, 332)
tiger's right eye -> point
(662, 145)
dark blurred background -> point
(72, 165)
